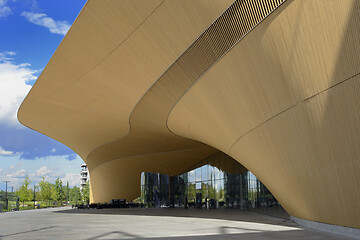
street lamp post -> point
(34, 196)
(6, 198)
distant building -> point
(85, 177)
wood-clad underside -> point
(284, 103)
(111, 56)
(164, 84)
(149, 134)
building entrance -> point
(199, 200)
(216, 182)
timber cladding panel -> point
(271, 83)
(149, 134)
(110, 57)
(284, 103)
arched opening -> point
(217, 181)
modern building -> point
(158, 86)
(84, 176)
(218, 181)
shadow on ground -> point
(263, 235)
(30, 231)
(224, 214)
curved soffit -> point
(149, 135)
(111, 56)
(282, 102)
(149, 132)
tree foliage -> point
(24, 193)
(50, 192)
(46, 191)
(58, 190)
(75, 194)
(67, 192)
(85, 192)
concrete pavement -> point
(176, 224)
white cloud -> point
(41, 19)
(13, 86)
(43, 171)
(7, 55)
(49, 173)
(19, 174)
(72, 178)
(51, 168)
(16, 178)
(53, 150)
(4, 10)
(52, 174)
(4, 152)
(34, 6)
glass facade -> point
(216, 182)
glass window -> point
(219, 185)
(142, 178)
(191, 176)
(211, 190)
(220, 174)
(191, 192)
(211, 172)
(204, 173)
(198, 174)
(217, 173)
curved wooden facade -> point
(158, 86)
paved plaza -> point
(137, 223)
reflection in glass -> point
(204, 173)
(217, 181)
(191, 176)
(198, 174)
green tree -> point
(58, 190)
(85, 192)
(45, 190)
(75, 194)
(37, 193)
(67, 192)
(191, 193)
(24, 193)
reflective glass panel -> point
(204, 173)
(198, 174)
(191, 176)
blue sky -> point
(30, 31)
